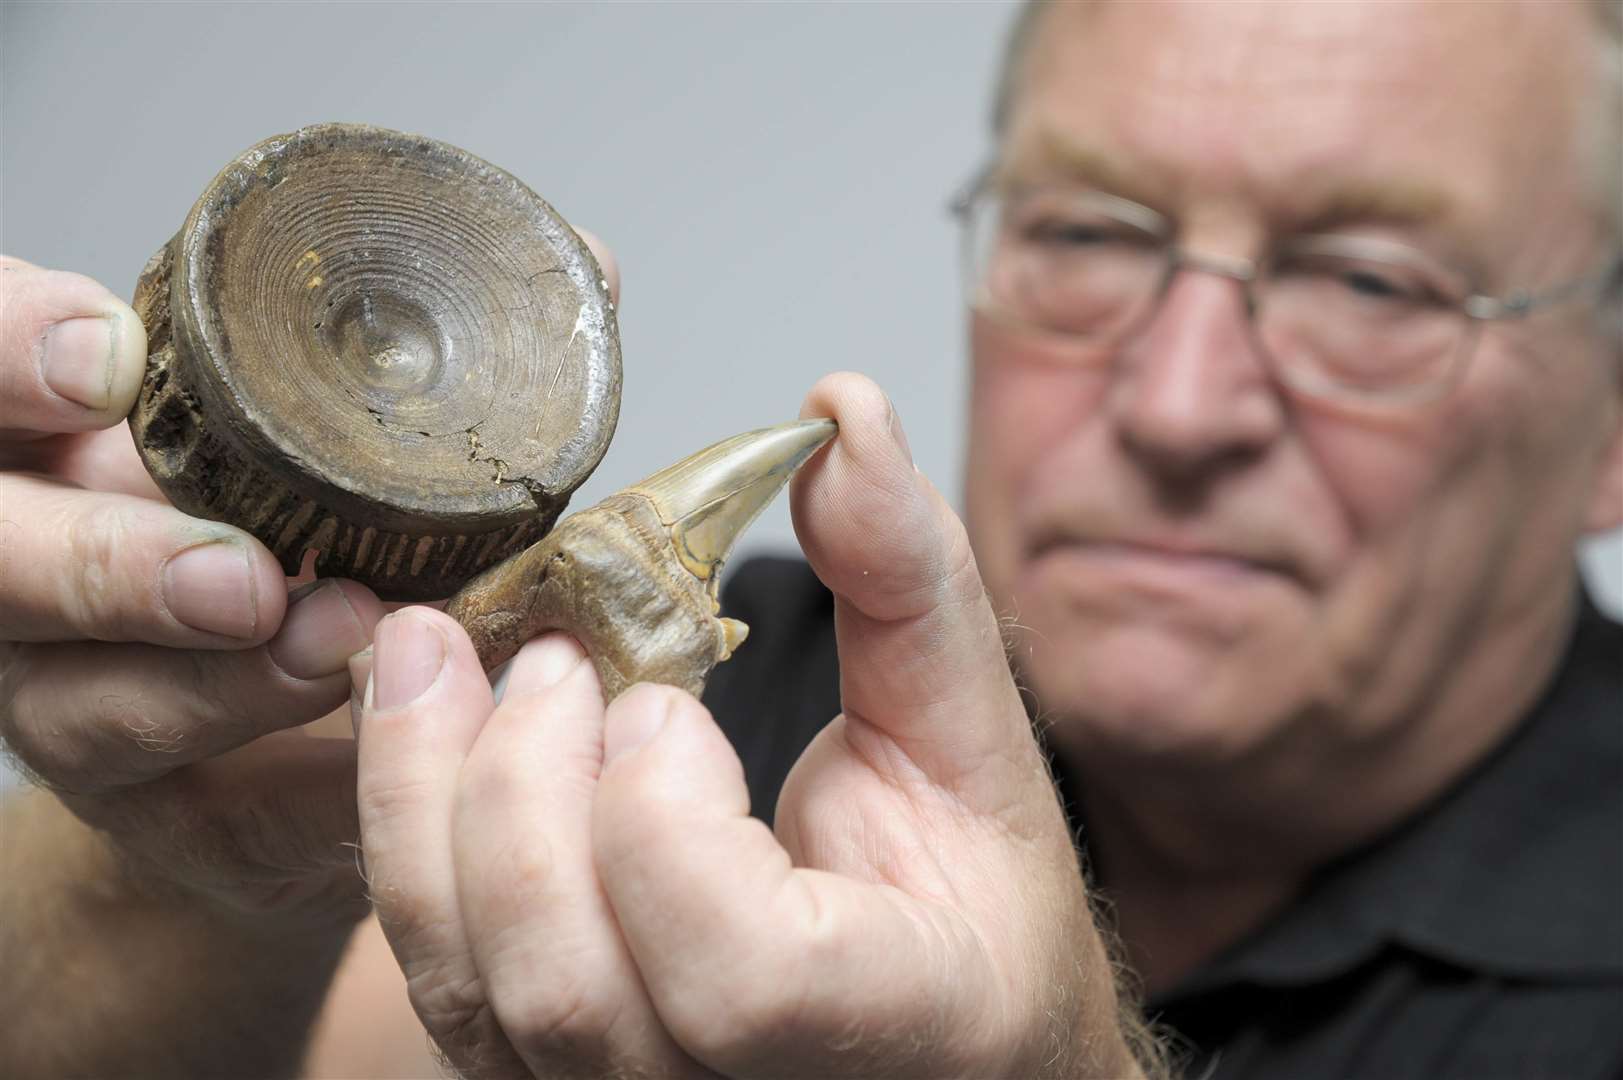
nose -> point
(1192, 393)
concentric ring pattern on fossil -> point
(420, 346)
(378, 347)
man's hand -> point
(142, 650)
(574, 891)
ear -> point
(1606, 499)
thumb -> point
(71, 353)
(921, 655)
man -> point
(1296, 377)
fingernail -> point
(899, 435)
(319, 632)
(210, 587)
(407, 655)
(360, 677)
(81, 358)
(634, 718)
(544, 662)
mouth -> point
(1159, 562)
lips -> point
(1166, 559)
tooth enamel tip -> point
(733, 634)
(709, 499)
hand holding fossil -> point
(579, 890)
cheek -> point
(1444, 546)
(1020, 411)
(1432, 493)
(1379, 476)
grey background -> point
(773, 177)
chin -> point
(1154, 692)
(1165, 658)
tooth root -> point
(733, 633)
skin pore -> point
(1239, 606)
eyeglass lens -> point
(1333, 313)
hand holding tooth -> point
(578, 890)
(634, 578)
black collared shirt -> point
(1483, 939)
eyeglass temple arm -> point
(1522, 302)
(964, 197)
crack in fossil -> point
(474, 455)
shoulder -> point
(1483, 938)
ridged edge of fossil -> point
(206, 475)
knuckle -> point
(84, 746)
(564, 1017)
(80, 727)
(21, 308)
(945, 571)
(95, 596)
(414, 926)
(36, 295)
(961, 574)
(493, 779)
(450, 1001)
(32, 725)
(452, 1010)
(734, 1014)
(759, 998)
(219, 695)
(18, 732)
(382, 803)
(34, 299)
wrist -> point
(68, 892)
(314, 909)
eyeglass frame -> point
(1476, 307)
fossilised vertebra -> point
(379, 347)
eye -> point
(1069, 233)
(1374, 285)
(1368, 281)
(1060, 234)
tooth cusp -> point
(733, 633)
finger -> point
(561, 982)
(87, 717)
(72, 354)
(427, 701)
(921, 655)
(97, 460)
(77, 564)
(748, 960)
(605, 259)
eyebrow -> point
(1399, 201)
(1395, 202)
(1053, 153)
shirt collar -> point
(1517, 871)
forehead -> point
(1469, 109)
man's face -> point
(1201, 564)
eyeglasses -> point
(1345, 317)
